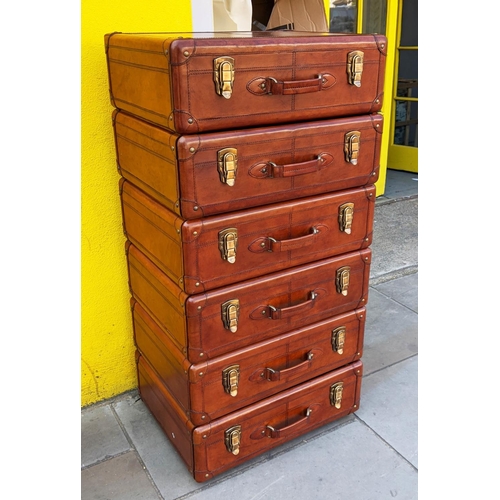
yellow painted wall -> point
(107, 350)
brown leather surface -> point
(194, 321)
(265, 368)
(264, 425)
(274, 163)
(180, 71)
(270, 238)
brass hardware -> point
(224, 76)
(346, 215)
(342, 279)
(351, 146)
(338, 339)
(227, 164)
(228, 242)
(336, 394)
(355, 67)
(232, 438)
(230, 379)
(230, 314)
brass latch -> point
(346, 215)
(336, 394)
(351, 146)
(338, 339)
(342, 280)
(228, 242)
(230, 379)
(230, 314)
(224, 76)
(232, 437)
(355, 67)
(227, 164)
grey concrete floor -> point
(369, 455)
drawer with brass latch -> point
(208, 253)
(231, 440)
(209, 389)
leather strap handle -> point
(287, 312)
(293, 243)
(276, 87)
(275, 375)
(293, 169)
(289, 429)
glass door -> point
(403, 146)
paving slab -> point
(389, 406)
(101, 435)
(167, 469)
(351, 462)
(403, 290)
(395, 240)
(391, 332)
(120, 478)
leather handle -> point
(275, 375)
(293, 243)
(286, 312)
(276, 87)
(293, 169)
(289, 429)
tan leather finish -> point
(265, 368)
(264, 425)
(194, 322)
(269, 238)
(273, 164)
(279, 77)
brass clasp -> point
(227, 164)
(230, 379)
(224, 76)
(230, 311)
(338, 339)
(228, 243)
(355, 67)
(336, 394)
(351, 146)
(232, 438)
(342, 279)
(346, 215)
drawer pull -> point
(275, 375)
(274, 433)
(286, 312)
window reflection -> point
(343, 16)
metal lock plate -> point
(228, 243)
(355, 67)
(346, 215)
(338, 339)
(232, 438)
(342, 279)
(224, 76)
(230, 313)
(336, 394)
(227, 164)
(351, 146)
(230, 379)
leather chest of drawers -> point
(247, 165)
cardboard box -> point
(305, 15)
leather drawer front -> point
(203, 389)
(271, 164)
(262, 425)
(274, 77)
(270, 305)
(264, 240)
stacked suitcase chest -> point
(247, 163)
